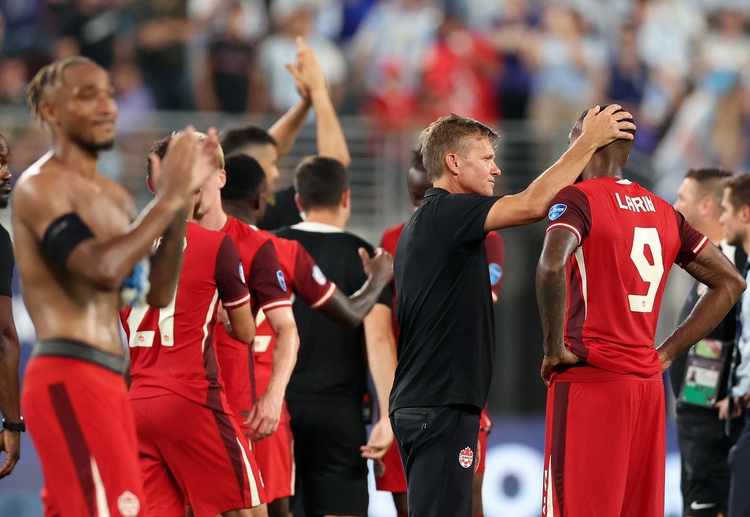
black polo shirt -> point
(444, 304)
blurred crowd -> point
(681, 66)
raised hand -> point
(380, 266)
(606, 126)
(172, 176)
(307, 72)
(206, 160)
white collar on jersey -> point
(307, 226)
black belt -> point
(80, 351)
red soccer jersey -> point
(306, 280)
(172, 348)
(628, 239)
(268, 291)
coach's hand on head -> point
(604, 126)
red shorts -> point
(605, 445)
(485, 427)
(389, 471)
(81, 422)
(190, 452)
(275, 458)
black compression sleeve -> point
(64, 234)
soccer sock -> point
(402, 515)
(478, 515)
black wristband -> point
(14, 426)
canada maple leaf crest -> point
(466, 457)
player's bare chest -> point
(103, 212)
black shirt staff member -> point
(446, 339)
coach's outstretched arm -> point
(599, 129)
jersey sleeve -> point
(465, 215)
(496, 259)
(691, 239)
(266, 280)
(230, 277)
(310, 283)
(6, 263)
(571, 211)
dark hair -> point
(579, 122)
(320, 182)
(711, 181)
(417, 161)
(739, 190)
(244, 134)
(450, 134)
(244, 176)
(160, 149)
(50, 75)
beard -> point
(91, 146)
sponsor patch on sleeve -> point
(280, 278)
(556, 211)
(318, 275)
(496, 273)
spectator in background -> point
(568, 63)
(94, 29)
(294, 19)
(389, 49)
(162, 31)
(13, 78)
(230, 63)
(627, 73)
(510, 37)
(667, 31)
(459, 73)
(135, 99)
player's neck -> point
(214, 219)
(326, 216)
(240, 211)
(76, 159)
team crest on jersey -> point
(241, 271)
(280, 278)
(318, 275)
(128, 504)
(466, 457)
(496, 273)
(556, 211)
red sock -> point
(402, 515)
(478, 515)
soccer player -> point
(599, 283)
(190, 445)
(243, 196)
(389, 472)
(258, 416)
(444, 311)
(701, 426)
(80, 237)
(268, 147)
(327, 393)
(13, 424)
